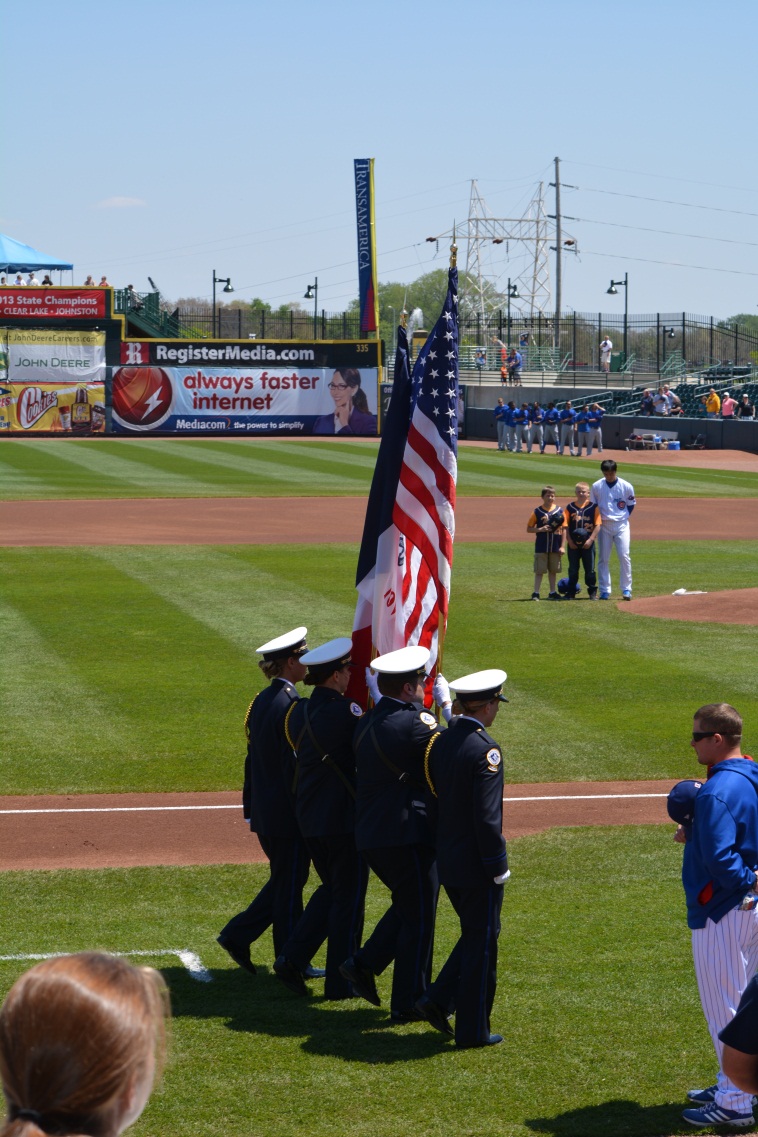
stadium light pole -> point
(512, 295)
(227, 282)
(666, 333)
(311, 293)
(613, 291)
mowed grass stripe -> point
(154, 467)
(239, 594)
(167, 637)
(597, 1002)
(176, 690)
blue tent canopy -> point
(15, 257)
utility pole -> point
(558, 248)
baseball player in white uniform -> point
(614, 498)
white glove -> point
(373, 685)
(502, 879)
(441, 691)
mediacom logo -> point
(142, 397)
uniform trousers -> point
(551, 435)
(726, 959)
(510, 437)
(466, 984)
(344, 873)
(523, 435)
(614, 533)
(501, 429)
(405, 932)
(567, 436)
(586, 558)
(279, 904)
(536, 436)
(595, 438)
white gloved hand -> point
(441, 691)
(502, 879)
(373, 685)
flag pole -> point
(442, 622)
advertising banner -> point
(190, 392)
(368, 295)
(3, 355)
(55, 303)
(55, 356)
(66, 408)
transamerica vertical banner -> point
(364, 207)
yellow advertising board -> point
(40, 356)
(77, 409)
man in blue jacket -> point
(721, 889)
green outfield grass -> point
(186, 467)
(131, 668)
(596, 998)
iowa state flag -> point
(406, 555)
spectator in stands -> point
(728, 406)
(3, 281)
(660, 402)
(19, 282)
(500, 415)
(646, 403)
(503, 375)
(606, 347)
(712, 404)
(103, 282)
(90, 283)
(132, 299)
(745, 409)
(47, 281)
(675, 403)
(514, 367)
(33, 281)
(480, 359)
(552, 419)
(81, 1037)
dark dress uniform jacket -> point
(324, 804)
(267, 796)
(466, 770)
(391, 807)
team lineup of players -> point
(389, 790)
(531, 424)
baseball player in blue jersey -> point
(720, 878)
(615, 500)
(568, 417)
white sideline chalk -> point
(188, 959)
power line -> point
(666, 201)
(664, 232)
(670, 264)
(664, 177)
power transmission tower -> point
(526, 239)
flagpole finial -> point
(453, 251)
(404, 318)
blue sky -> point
(172, 139)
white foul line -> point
(189, 959)
(186, 808)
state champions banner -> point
(190, 388)
(40, 356)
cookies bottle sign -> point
(81, 412)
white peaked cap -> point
(293, 639)
(335, 651)
(481, 684)
(402, 661)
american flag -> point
(404, 565)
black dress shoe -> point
(492, 1041)
(240, 954)
(412, 1016)
(289, 975)
(363, 980)
(434, 1014)
(312, 972)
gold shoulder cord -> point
(287, 727)
(427, 752)
(247, 718)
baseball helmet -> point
(579, 536)
(563, 586)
